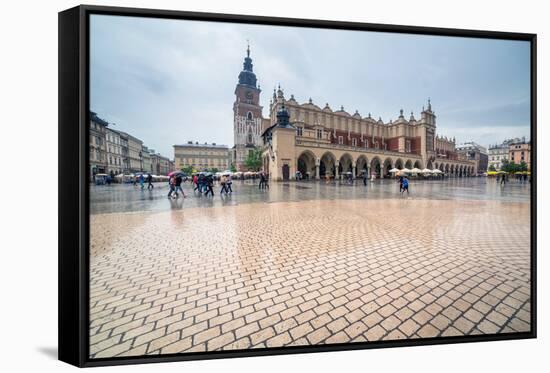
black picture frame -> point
(73, 250)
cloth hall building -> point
(322, 142)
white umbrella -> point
(427, 171)
(416, 170)
(436, 171)
(394, 170)
(405, 170)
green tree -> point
(522, 166)
(214, 170)
(492, 167)
(254, 160)
(233, 168)
(188, 170)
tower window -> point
(299, 131)
(249, 116)
(319, 133)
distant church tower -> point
(247, 113)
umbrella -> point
(394, 170)
(427, 171)
(405, 170)
(436, 171)
(416, 170)
(173, 173)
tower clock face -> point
(249, 95)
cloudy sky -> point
(171, 81)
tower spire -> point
(247, 76)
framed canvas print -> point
(237, 185)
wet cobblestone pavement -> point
(319, 264)
(127, 197)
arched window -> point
(249, 116)
(250, 138)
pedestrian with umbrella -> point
(178, 181)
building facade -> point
(146, 160)
(115, 164)
(324, 143)
(97, 145)
(499, 153)
(201, 156)
(472, 151)
(520, 152)
(247, 115)
(321, 142)
(135, 155)
(160, 165)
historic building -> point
(97, 145)
(472, 151)
(499, 153)
(321, 142)
(115, 152)
(247, 115)
(146, 159)
(201, 156)
(160, 165)
(115, 164)
(520, 151)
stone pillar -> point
(354, 169)
(381, 171)
(337, 169)
(317, 163)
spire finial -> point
(429, 104)
(247, 48)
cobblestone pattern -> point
(306, 273)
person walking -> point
(262, 181)
(365, 177)
(195, 182)
(150, 182)
(228, 183)
(400, 183)
(209, 184)
(141, 181)
(223, 182)
(405, 186)
(178, 182)
(266, 181)
(172, 185)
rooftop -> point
(191, 144)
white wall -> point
(28, 84)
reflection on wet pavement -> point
(127, 197)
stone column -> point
(337, 169)
(317, 163)
(354, 169)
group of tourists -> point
(174, 182)
(141, 179)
